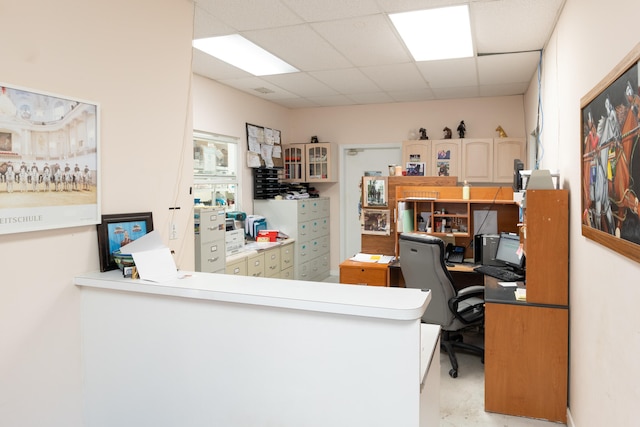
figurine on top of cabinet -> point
(423, 133)
(314, 140)
(501, 132)
(447, 133)
(462, 128)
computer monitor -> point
(509, 251)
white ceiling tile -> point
(367, 40)
(215, 69)
(514, 25)
(250, 14)
(507, 68)
(394, 6)
(250, 85)
(301, 84)
(300, 46)
(456, 92)
(297, 103)
(331, 101)
(325, 10)
(346, 81)
(371, 98)
(412, 95)
(449, 73)
(400, 77)
(207, 25)
(503, 89)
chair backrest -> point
(423, 267)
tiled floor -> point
(462, 398)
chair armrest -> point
(477, 290)
(473, 311)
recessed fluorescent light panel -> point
(240, 52)
(432, 34)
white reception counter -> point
(223, 350)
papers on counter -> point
(508, 284)
(521, 294)
(380, 259)
(153, 260)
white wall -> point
(133, 58)
(589, 41)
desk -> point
(374, 274)
(526, 356)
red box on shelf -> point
(263, 235)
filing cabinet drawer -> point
(238, 268)
(210, 256)
(287, 256)
(272, 262)
(255, 265)
(287, 273)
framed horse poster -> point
(610, 161)
(49, 163)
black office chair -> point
(422, 261)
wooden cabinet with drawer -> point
(364, 273)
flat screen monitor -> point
(509, 251)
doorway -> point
(354, 161)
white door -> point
(355, 160)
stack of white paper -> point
(153, 259)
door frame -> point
(343, 184)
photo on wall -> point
(49, 166)
(375, 191)
(376, 221)
(610, 161)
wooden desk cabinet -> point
(526, 360)
(527, 343)
(364, 273)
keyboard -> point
(500, 273)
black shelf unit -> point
(266, 183)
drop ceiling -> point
(349, 53)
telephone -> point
(454, 253)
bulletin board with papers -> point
(264, 149)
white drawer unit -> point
(209, 227)
(307, 221)
(275, 260)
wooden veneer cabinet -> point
(527, 342)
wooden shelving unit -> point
(447, 205)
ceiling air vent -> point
(263, 90)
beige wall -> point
(133, 58)
(95, 51)
(589, 41)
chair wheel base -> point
(453, 373)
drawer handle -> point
(236, 270)
(213, 259)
